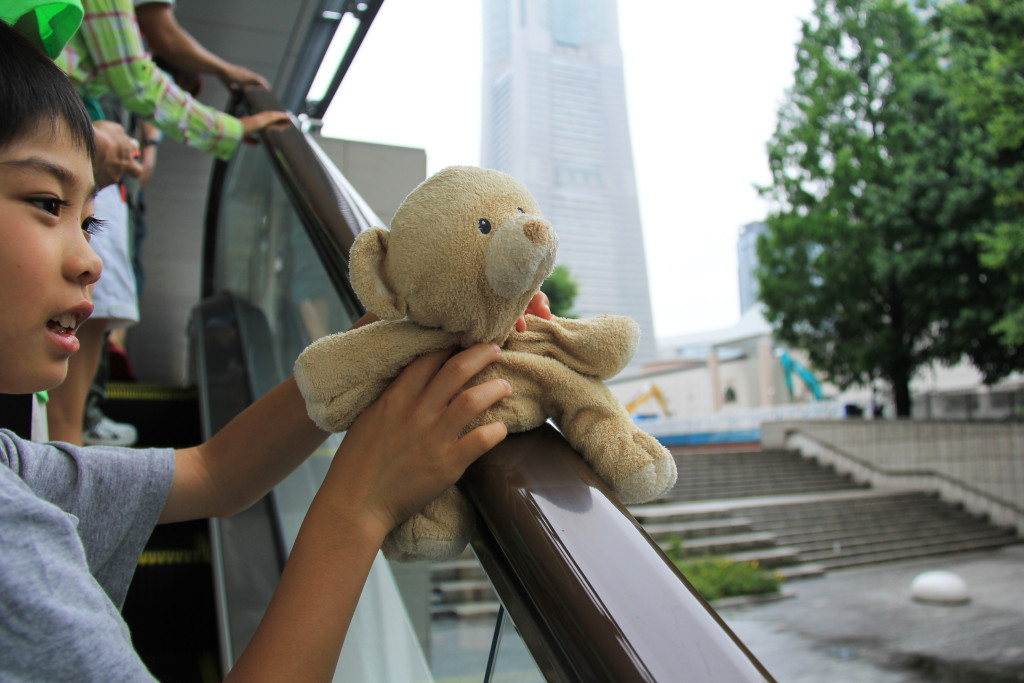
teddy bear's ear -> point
(366, 271)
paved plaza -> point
(850, 626)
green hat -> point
(48, 23)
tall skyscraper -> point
(554, 116)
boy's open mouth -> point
(64, 324)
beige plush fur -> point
(442, 276)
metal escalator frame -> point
(593, 596)
(227, 329)
(318, 38)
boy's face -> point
(47, 267)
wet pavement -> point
(850, 626)
(863, 625)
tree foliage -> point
(561, 289)
(870, 262)
(984, 49)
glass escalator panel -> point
(265, 256)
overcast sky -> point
(703, 82)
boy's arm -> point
(402, 452)
(245, 459)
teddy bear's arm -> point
(597, 347)
(342, 374)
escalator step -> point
(164, 415)
(170, 605)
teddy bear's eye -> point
(520, 210)
(484, 225)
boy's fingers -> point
(540, 306)
(479, 441)
(466, 406)
(459, 369)
(416, 376)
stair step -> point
(454, 570)
(806, 570)
(726, 545)
(487, 608)
(710, 509)
(462, 591)
(845, 560)
(770, 558)
(699, 528)
(869, 545)
(901, 531)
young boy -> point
(74, 520)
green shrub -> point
(717, 577)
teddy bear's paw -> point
(652, 480)
(440, 531)
(402, 545)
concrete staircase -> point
(778, 508)
(748, 474)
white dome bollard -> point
(939, 586)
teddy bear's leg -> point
(632, 462)
(440, 531)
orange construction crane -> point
(655, 393)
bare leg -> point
(66, 407)
(119, 337)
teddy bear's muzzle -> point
(520, 255)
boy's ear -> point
(366, 270)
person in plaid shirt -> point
(106, 55)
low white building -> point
(720, 385)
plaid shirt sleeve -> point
(106, 55)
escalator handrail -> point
(592, 594)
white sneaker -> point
(106, 432)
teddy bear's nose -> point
(537, 231)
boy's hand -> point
(538, 306)
(405, 449)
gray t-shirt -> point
(73, 522)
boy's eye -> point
(51, 205)
(93, 226)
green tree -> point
(985, 53)
(561, 289)
(866, 263)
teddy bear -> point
(467, 251)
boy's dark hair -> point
(33, 90)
